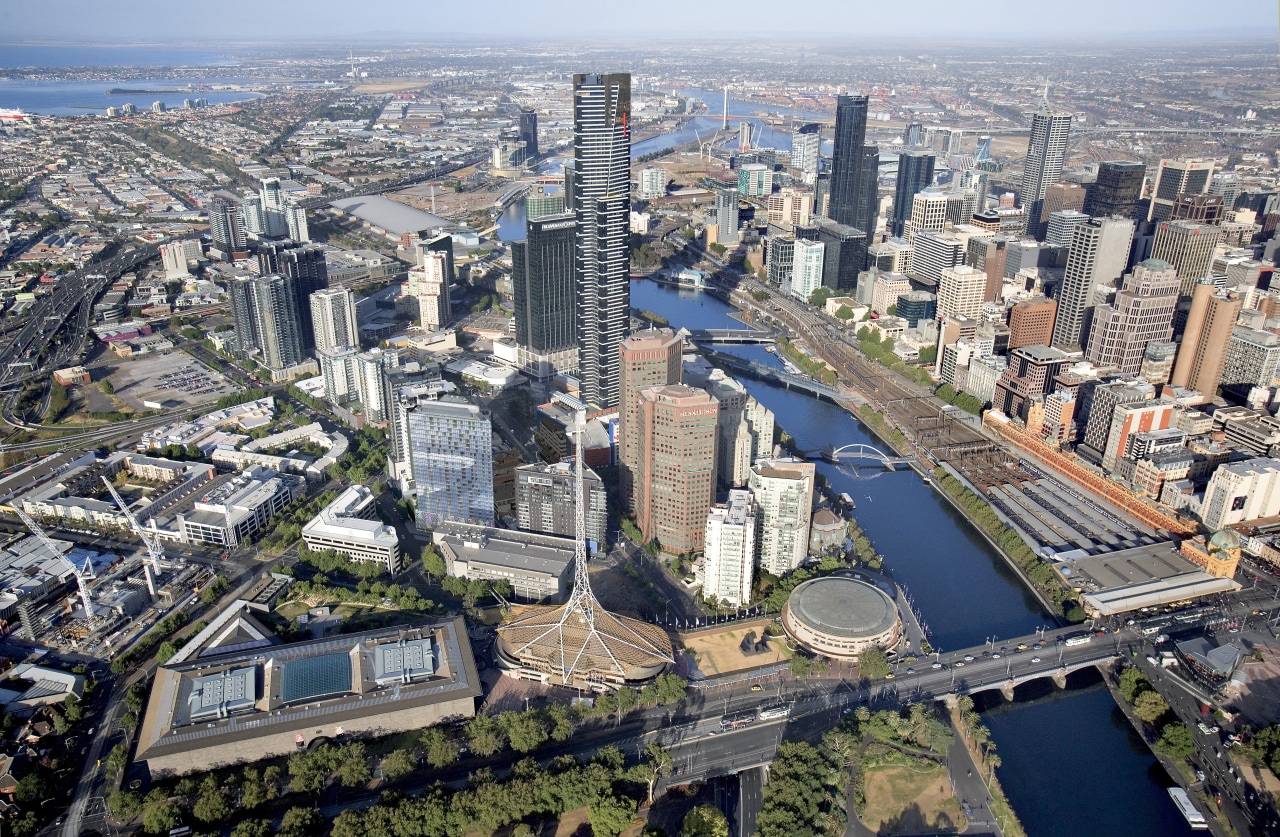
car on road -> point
(1035, 659)
(911, 671)
(936, 665)
(757, 687)
(960, 664)
(1022, 646)
(889, 676)
(968, 658)
(995, 656)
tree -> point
(844, 312)
(432, 563)
(107, 387)
(301, 822)
(658, 762)
(873, 663)
(561, 722)
(212, 806)
(398, 764)
(165, 652)
(31, 789)
(1132, 683)
(1175, 741)
(928, 355)
(525, 730)
(354, 770)
(442, 750)
(819, 297)
(1149, 706)
(252, 828)
(610, 816)
(124, 805)
(704, 821)
(161, 817)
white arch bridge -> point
(857, 451)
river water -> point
(1071, 764)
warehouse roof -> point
(392, 216)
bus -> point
(1078, 639)
(738, 720)
(774, 710)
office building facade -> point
(805, 152)
(1188, 247)
(844, 254)
(1203, 352)
(675, 480)
(543, 284)
(1117, 189)
(726, 217)
(807, 263)
(545, 501)
(1046, 152)
(1252, 359)
(649, 358)
(1031, 322)
(451, 462)
(915, 173)
(1175, 178)
(1141, 313)
(846, 204)
(1098, 253)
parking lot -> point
(174, 379)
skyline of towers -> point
(601, 197)
(1046, 152)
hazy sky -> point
(105, 20)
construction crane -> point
(81, 573)
(154, 551)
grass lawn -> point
(902, 800)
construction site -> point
(97, 602)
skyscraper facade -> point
(280, 326)
(869, 191)
(528, 125)
(1174, 178)
(1203, 352)
(844, 254)
(1046, 153)
(729, 552)
(226, 227)
(451, 459)
(915, 172)
(1098, 253)
(305, 266)
(333, 319)
(1187, 246)
(675, 482)
(846, 203)
(1117, 189)
(727, 216)
(542, 283)
(1142, 312)
(602, 200)
(429, 286)
(649, 358)
(783, 491)
(805, 152)
(806, 268)
(1031, 322)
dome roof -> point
(843, 607)
(1225, 539)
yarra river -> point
(1071, 763)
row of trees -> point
(1175, 740)
(881, 351)
(813, 368)
(604, 786)
(984, 517)
(963, 400)
(402, 597)
(143, 647)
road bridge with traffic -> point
(729, 336)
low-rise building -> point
(536, 566)
(237, 506)
(350, 526)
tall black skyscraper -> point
(305, 269)
(602, 203)
(869, 189)
(529, 132)
(847, 184)
(542, 282)
(915, 172)
(1117, 189)
(845, 255)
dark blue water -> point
(58, 98)
(106, 55)
(1070, 764)
(1105, 780)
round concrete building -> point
(840, 617)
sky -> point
(148, 20)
